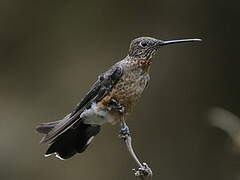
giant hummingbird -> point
(110, 98)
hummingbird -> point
(112, 97)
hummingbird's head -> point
(145, 47)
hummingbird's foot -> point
(113, 104)
(143, 172)
(124, 132)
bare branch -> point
(144, 172)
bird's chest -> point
(130, 88)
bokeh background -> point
(52, 51)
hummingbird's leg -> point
(144, 172)
(113, 104)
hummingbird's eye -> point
(143, 43)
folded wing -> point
(98, 91)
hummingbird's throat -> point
(145, 64)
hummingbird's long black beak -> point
(163, 43)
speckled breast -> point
(131, 85)
(129, 90)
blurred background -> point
(52, 51)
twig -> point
(144, 172)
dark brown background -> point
(51, 52)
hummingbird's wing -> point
(98, 91)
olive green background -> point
(52, 51)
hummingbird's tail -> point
(45, 128)
(75, 140)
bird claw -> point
(144, 171)
(124, 132)
(113, 104)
